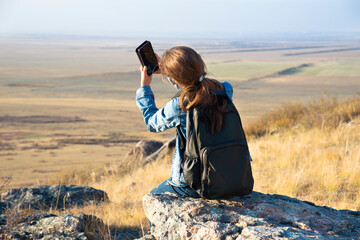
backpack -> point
(216, 165)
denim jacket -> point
(170, 116)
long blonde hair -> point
(185, 66)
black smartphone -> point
(147, 57)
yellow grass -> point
(311, 152)
(127, 191)
(321, 166)
(327, 113)
(124, 211)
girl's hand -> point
(145, 78)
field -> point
(68, 112)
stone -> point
(30, 224)
(254, 216)
(52, 196)
(36, 225)
(144, 148)
(164, 150)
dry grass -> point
(311, 152)
(317, 165)
(4, 181)
(125, 190)
(327, 113)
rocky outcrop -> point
(255, 216)
(150, 151)
(143, 148)
(23, 214)
(162, 151)
(28, 224)
(36, 225)
(51, 196)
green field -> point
(339, 68)
(246, 70)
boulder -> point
(164, 150)
(254, 216)
(52, 196)
(36, 225)
(143, 148)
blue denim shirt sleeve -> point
(158, 120)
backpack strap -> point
(180, 134)
(219, 92)
(182, 139)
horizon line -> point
(253, 36)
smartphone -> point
(147, 57)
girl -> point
(186, 70)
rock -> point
(30, 224)
(144, 148)
(13, 218)
(150, 151)
(52, 196)
(254, 216)
(48, 226)
(162, 151)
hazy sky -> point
(175, 18)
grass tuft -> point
(327, 113)
(125, 187)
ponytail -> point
(202, 95)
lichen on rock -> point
(52, 196)
(36, 225)
(254, 216)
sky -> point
(178, 18)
